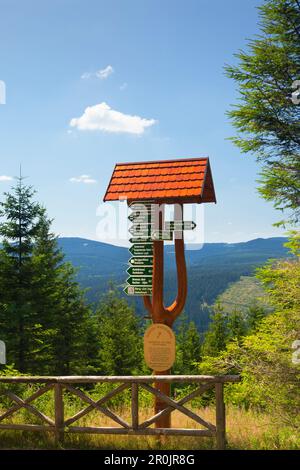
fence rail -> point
(62, 424)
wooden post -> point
(220, 417)
(159, 405)
(156, 308)
(135, 405)
(59, 413)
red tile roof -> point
(170, 181)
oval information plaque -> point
(159, 347)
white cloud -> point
(101, 117)
(102, 74)
(123, 86)
(86, 179)
(6, 178)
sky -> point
(89, 83)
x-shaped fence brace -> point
(61, 424)
(20, 403)
(98, 405)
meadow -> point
(246, 430)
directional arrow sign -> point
(142, 205)
(138, 290)
(141, 249)
(177, 225)
(136, 204)
(141, 261)
(139, 280)
(140, 229)
(162, 235)
(140, 217)
(136, 240)
(140, 271)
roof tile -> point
(170, 180)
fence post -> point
(135, 405)
(220, 417)
(59, 412)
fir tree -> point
(255, 314)
(217, 333)
(188, 347)
(44, 319)
(236, 325)
(61, 305)
(119, 336)
(19, 324)
(267, 118)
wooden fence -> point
(61, 424)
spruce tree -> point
(255, 314)
(61, 305)
(19, 325)
(217, 334)
(44, 320)
(119, 336)
(268, 113)
(236, 325)
(188, 347)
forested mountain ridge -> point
(210, 269)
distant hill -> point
(210, 269)
(243, 293)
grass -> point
(245, 430)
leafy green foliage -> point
(264, 356)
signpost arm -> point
(158, 282)
(177, 306)
(148, 304)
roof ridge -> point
(173, 160)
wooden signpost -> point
(148, 187)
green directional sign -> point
(142, 249)
(140, 217)
(139, 280)
(136, 240)
(162, 235)
(141, 205)
(140, 271)
(140, 229)
(178, 225)
(141, 261)
(138, 290)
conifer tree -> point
(268, 113)
(19, 324)
(119, 336)
(236, 325)
(44, 319)
(188, 347)
(217, 333)
(61, 305)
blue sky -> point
(160, 61)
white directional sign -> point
(162, 235)
(178, 225)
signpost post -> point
(148, 186)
